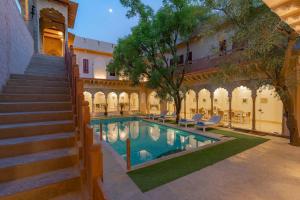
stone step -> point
(49, 69)
(41, 83)
(42, 187)
(47, 57)
(36, 128)
(34, 144)
(37, 77)
(53, 75)
(9, 107)
(18, 167)
(34, 97)
(35, 90)
(26, 117)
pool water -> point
(148, 140)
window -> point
(190, 57)
(181, 58)
(85, 66)
(171, 62)
(222, 47)
(112, 74)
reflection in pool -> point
(148, 140)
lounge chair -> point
(194, 120)
(167, 117)
(212, 122)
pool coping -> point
(220, 139)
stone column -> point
(230, 108)
(212, 103)
(129, 102)
(254, 95)
(197, 103)
(118, 106)
(184, 107)
(93, 103)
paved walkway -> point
(270, 171)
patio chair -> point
(194, 120)
(212, 122)
(167, 117)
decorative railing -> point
(90, 154)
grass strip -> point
(166, 171)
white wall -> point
(16, 42)
(99, 55)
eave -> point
(287, 10)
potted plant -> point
(122, 105)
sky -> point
(105, 20)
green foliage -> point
(145, 54)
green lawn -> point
(153, 176)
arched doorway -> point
(204, 103)
(88, 98)
(99, 102)
(171, 106)
(191, 104)
(241, 108)
(112, 102)
(269, 110)
(124, 101)
(134, 102)
(153, 103)
(52, 32)
(221, 104)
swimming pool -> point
(148, 140)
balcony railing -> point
(213, 61)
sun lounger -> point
(196, 118)
(212, 122)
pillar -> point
(93, 104)
(230, 108)
(118, 106)
(197, 102)
(129, 102)
(254, 95)
(212, 103)
(184, 106)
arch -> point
(88, 98)
(52, 31)
(268, 119)
(134, 102)
(124, 100)
(171, 106)
(221, 104)
(191, 103)
(153, 103)
(204, 103)
(112, 102)
(99, 102)
(241, 107)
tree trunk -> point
(177, 107)
(291, 120)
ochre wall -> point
(16, 42)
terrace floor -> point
(268, 171)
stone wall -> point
(16, 42)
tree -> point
(268, 53)
(150, 52)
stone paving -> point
(270, 171)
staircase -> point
(38, 158)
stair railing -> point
(90, 154)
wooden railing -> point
(90, 154)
